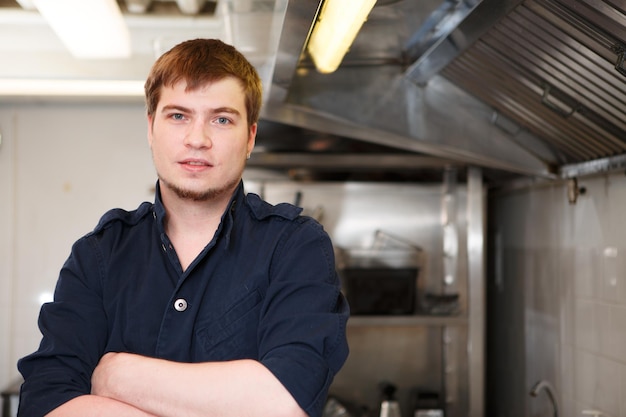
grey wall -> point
(61, 167)
(557, 298)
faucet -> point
(545, 385)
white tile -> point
(607, 388)
(614, 333)
(586, 330)
(616, 202)
(598, 383)
(584, 379)
(613, 277)
(567, 375)
(622, 390)
(586, 268)
(566, 299)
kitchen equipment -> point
(428, 404)
(336, 407)
(389, 407)
(441, 304)
(429, 413)
(380, 290)
(381, 279)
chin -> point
(200, 194)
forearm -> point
(212, 389)
(96, 406)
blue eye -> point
(177, 116)
(222, 120)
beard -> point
(201, 195)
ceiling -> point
(533, 88)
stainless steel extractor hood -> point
(535, 87)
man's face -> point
(200, 139)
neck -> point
(192, 216)
(190, 224)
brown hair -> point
(201, 61)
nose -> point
(198, 135)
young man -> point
(209, 302)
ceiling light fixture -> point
(337, 25)
(90, 29)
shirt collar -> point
(226, 224)
(159, 208)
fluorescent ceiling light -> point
(71, 88)
(336, 28)
(88, 28)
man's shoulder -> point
(123, 217)
(262, 209)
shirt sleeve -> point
(303, 324)
(74, 331)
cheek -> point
(160, 138)
(159, 149)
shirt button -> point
(180, 304)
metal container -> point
(381, 280)
(429, 413)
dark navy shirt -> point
(264, 288)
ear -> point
(150, 126)
(252, 137)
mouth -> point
(195, 164)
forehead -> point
(226, 90)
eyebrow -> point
(226, 110)
(217, 110)
(171, 107)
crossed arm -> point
(130, 385)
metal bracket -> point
(619, 65)
(559, 110)
(572, 190)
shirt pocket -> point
(233, 335)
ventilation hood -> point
(536, 87)
(533, 88)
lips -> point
(195, 164)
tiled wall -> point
(557, 290)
